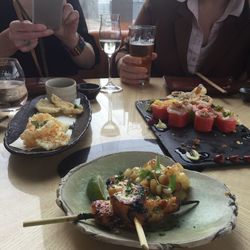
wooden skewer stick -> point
(141, 234)
(211, 83)
(61, 219)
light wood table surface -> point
(28, 186)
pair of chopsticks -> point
(19, 10)
(211, 83)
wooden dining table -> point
(28, 185)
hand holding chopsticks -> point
(211, 83)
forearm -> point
(87, 58)
(7, 47)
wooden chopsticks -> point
(19, 10)
(211, 83)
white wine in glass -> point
(110, 41)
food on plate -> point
(193, 155)
(226, 122)
(178, 114)
(44, 131)
(45, 106)
(159, 109)
(204, 120)
(150, 193)
(180, 108)
(96, 188)
(57, 105)
(67, 108)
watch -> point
(77, 50)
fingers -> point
(69, 14)
(130, 70)
(25, 34)
(26, 45)
(28, 31)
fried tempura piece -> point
(45, 106)
(44, 131)
(66, 107)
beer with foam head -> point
(141, 44)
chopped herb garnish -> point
(158, 166)
(218, 108)
(38, 124)
(172, 182)
(227, 113)
(145, 173)
(128, 188)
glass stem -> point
(109, 69)
(110, 107)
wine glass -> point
(110, 40)
(13, 92)
(110, 129)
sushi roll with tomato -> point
(159, 110)
(178, 114)
(204, 120)
(226, 122)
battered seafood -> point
(44, 131)
(57, 105)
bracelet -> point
(77, 50)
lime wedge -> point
(96, 189)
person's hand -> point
(25, 34)
(130, 70)
(68, 30)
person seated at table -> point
(60, 53)
(207, 36)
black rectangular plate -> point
(211, 144)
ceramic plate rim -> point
(131, 243)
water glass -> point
(13, 92)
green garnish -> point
(218, 108)
(128, 188)
(158, 166)
(227, 113)
(145, 173)
(38, 124)
(172, 182)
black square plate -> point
(235, 147)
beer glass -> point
(13, 92)
(141, 44)
(110, 41)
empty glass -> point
(13, 92)
(110, 41)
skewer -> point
(141, 234)
(85, 216)
(211, 83)
(61, 219)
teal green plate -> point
(212, 218)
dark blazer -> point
(228, 56)
(58, 60)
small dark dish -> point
(245, 93)
(91, 90)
